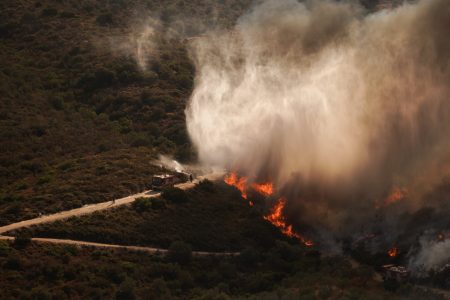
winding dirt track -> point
(149, 250)
(88, 209)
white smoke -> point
(321, 91)
(169, 163)
(334, 105)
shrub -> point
(159, 290)
(158, 203)
(142, 204)
(40, 293)
(100, 79)
(180, 252)
(44, 179)
(14, 209)
(206, 185)
(249, 257)
(67, 14)
(174, 194)
(22, 240)
(49, 12)
(13, 262)
(104, 19)
(4, 248)
(126, 290)
(56, 103)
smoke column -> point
(322, 90)
(335, 105)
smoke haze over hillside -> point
(322, 96)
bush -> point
(180, 252)
(142, 204)
(175, 195)
(40, 293)
(101, 78)
(4, 248)
(126, 290)
(67, 14)
(249, 257)
(22, 240)
(49, 12)
(206, 185)
(104, 19)
(13, 262)
(159, 290)
(158, 203)
(56, 103)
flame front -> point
(396, 195)
(277, 219)
(267, 189)
(240, 183)
(393, 252)
(263, 188)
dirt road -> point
(149, 250)
(88, 209)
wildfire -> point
(396, 195)
(277, 219)
(276, 216)
(393, 252)
(264, 188)
(240, 183)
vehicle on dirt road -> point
(162, 181)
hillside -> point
(76, 106)
(91, 93)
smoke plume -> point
(336, 106)
(432, 255)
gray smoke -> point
(334, 105)
(432, 255)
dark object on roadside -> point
(160, 182)
(397, 273)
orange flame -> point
(277, 219)
(263, 188)
(393, 252)
(396, 195)
(240, 183)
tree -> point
(180, 252)
(126, 290)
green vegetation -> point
(42, 271)
(80, 123)
(219, 221)
(74, 101)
